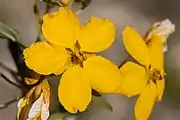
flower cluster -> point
(70, 49)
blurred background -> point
(140, 14)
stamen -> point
(155, 75)
(77, 57)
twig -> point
(9, 81)
(53, 3)
(38, 20)
(13, 73)
(5, 105)
(8, 69)
(48, 6)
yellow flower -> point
(147, 79)
(70, 49)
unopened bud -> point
(64, 2)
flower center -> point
(155, 75)
(77, 56)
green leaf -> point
(101, 102)
(8, 32)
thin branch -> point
(53, 3)
(5, 105)
(48, 6)
(38, 20)
(9, 81)
(7, 68)
(13, 73)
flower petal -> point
(104, 76)
(74, 90)
(160, 89)
(44, 58)
(35, 110)
(134, 79)
(61, 28)
(145, 102)
(21, 104)
(157, 62)
(46, 92)
(67, 65)
(156, 53)
(45, 112)
(136, 46)
(97, 35)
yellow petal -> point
(74, 90)
(61, 28)
(21, 104)
(136, 46)
(157, 62)
(67, 65)
(38, 90)
(104, 76)
(134, 79)
(97, 35)
(145, 102)
(46, 91)
(44, 58)
(156, 53)
(160, 89)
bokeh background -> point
(140, 14)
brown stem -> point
(53, 3)
(5, 105)
(48, 6)
(9, 81)
(38, 20)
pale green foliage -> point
(8, 32)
